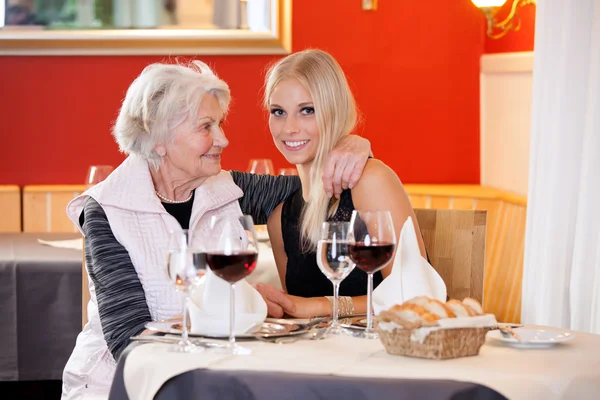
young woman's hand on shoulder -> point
(379, 188)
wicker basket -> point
(439, 345)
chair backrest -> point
(455, 243)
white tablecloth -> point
(568, 371)
(266, 269)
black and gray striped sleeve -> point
(262, 193)
(121, 299)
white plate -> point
(270, 328)
(533, 338)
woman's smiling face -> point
(293, 123)
(196, 146)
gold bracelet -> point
(345, 305)
(330, 299)
(348, 306)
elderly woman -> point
(170, 127)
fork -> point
(507, 332)
(173, 340)
(313, 334)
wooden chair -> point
(455, 243)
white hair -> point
(159, 100)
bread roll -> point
(459, 309)
(414, 314)
(405, 318)
(433, 306)
(474, 304)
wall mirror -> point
(136, 27)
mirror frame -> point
(154, 41)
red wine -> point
(232, 267)
(373, 257)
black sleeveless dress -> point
(303, 276)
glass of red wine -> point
(374, 242)
(233, 259)
(186, 267)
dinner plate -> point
(533, 338)
(270, 328)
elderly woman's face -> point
(197, 145)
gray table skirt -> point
(40, 306)
(250, 385)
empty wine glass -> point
(96, 174)
(373, 247)
(288, 171)
(233, 258)
(334, 261)
(186, 267)
(261, 166)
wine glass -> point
(96, 174)
(373, 247)
(288, 171)
(334, 261)
(233, 258)
(261, 166)
(186, 267)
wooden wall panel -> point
(420, 201)
(10, 208)
(44, 207)
(440, 202)
(462, 203)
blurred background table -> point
(40, 305)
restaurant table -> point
(40, 305)
(349, 367)
(250, 385)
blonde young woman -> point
(311, 109)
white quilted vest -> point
(140, 223)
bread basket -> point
(440, 344)
(432, 331)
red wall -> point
(415, 74)
(521, 40)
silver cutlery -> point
(313, 334)
(508, 332)
(174, 340)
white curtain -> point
(561, 277)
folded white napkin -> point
(209, 307)
(75, 244)
(411, 275)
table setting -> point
(412, 335)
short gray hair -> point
(159, 100)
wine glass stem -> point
(184, 333)
(232, 316)
(336, 295)
(369, 302)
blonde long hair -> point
(336, 114)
